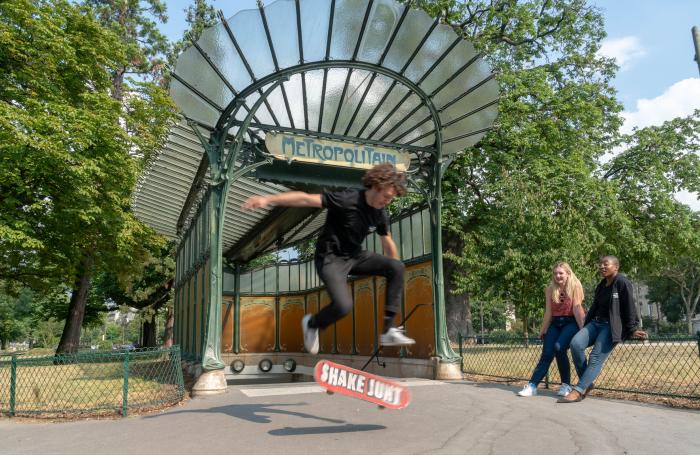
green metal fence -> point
(667, 366)
(90, 382)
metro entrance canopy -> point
(306, 94)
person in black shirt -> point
(352, 215)
(612, 318)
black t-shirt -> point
(602, 300)
(349, 220)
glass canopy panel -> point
(482, 96)
(314, 82)
(334, 89)
(295, 96)
(276, 102)
(314, 28)
(356, 88)
(436, 45)
(216, 42)
(457, 58)
(395, 95)
(478, 121)
(193, 68)
(414, 130)
(193, 106)
(412, 31)
(249, 32)
(281, 20)
(382, 21)
(466, 80)
(347, 23)
(377, 89)
(398, 116)
(262, 114)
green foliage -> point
(541, 186)
(73, 135)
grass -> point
(89, 386)
(658, 368)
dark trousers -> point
(334, 271)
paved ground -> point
(444, 418)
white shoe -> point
(395, 337)
(310, 335)
(530, 390)
(564, 390)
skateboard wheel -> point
(329, 392)
(381, 407)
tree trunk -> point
(149, 332)
(3, 344)
(169, 324)
(70, 338)
(458, 311)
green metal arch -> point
(238, 100)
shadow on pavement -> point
(347, 428)
(256, 413)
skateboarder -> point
(352, 215)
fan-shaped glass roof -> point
(364, 71)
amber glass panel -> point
(420, 326)
(227, 325)
(291, 312)
(257, 324)
(365, 321)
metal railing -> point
(90, 382)
(666, 366)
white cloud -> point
(679, 100)
(624, 50)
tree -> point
(147, 288)
(526, 195)
(67, 167)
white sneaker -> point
(530, 390)
(310, 335)
(564, 390)
(395, 337)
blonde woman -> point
(563, 318)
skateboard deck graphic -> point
(337, 378)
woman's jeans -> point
(597, 334)
(556, 341)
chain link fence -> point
(91, 382)
(665, 366)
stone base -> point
(210, 383)
(447, 370)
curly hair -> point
(383, 175)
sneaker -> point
(530, 390)
(310, 335)
(395, 337)
(564, 390)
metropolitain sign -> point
(344, 154)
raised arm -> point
(288, 199)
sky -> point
(651, 40)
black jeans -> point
(334, 271)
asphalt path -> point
(444, 418)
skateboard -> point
(337, 378)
